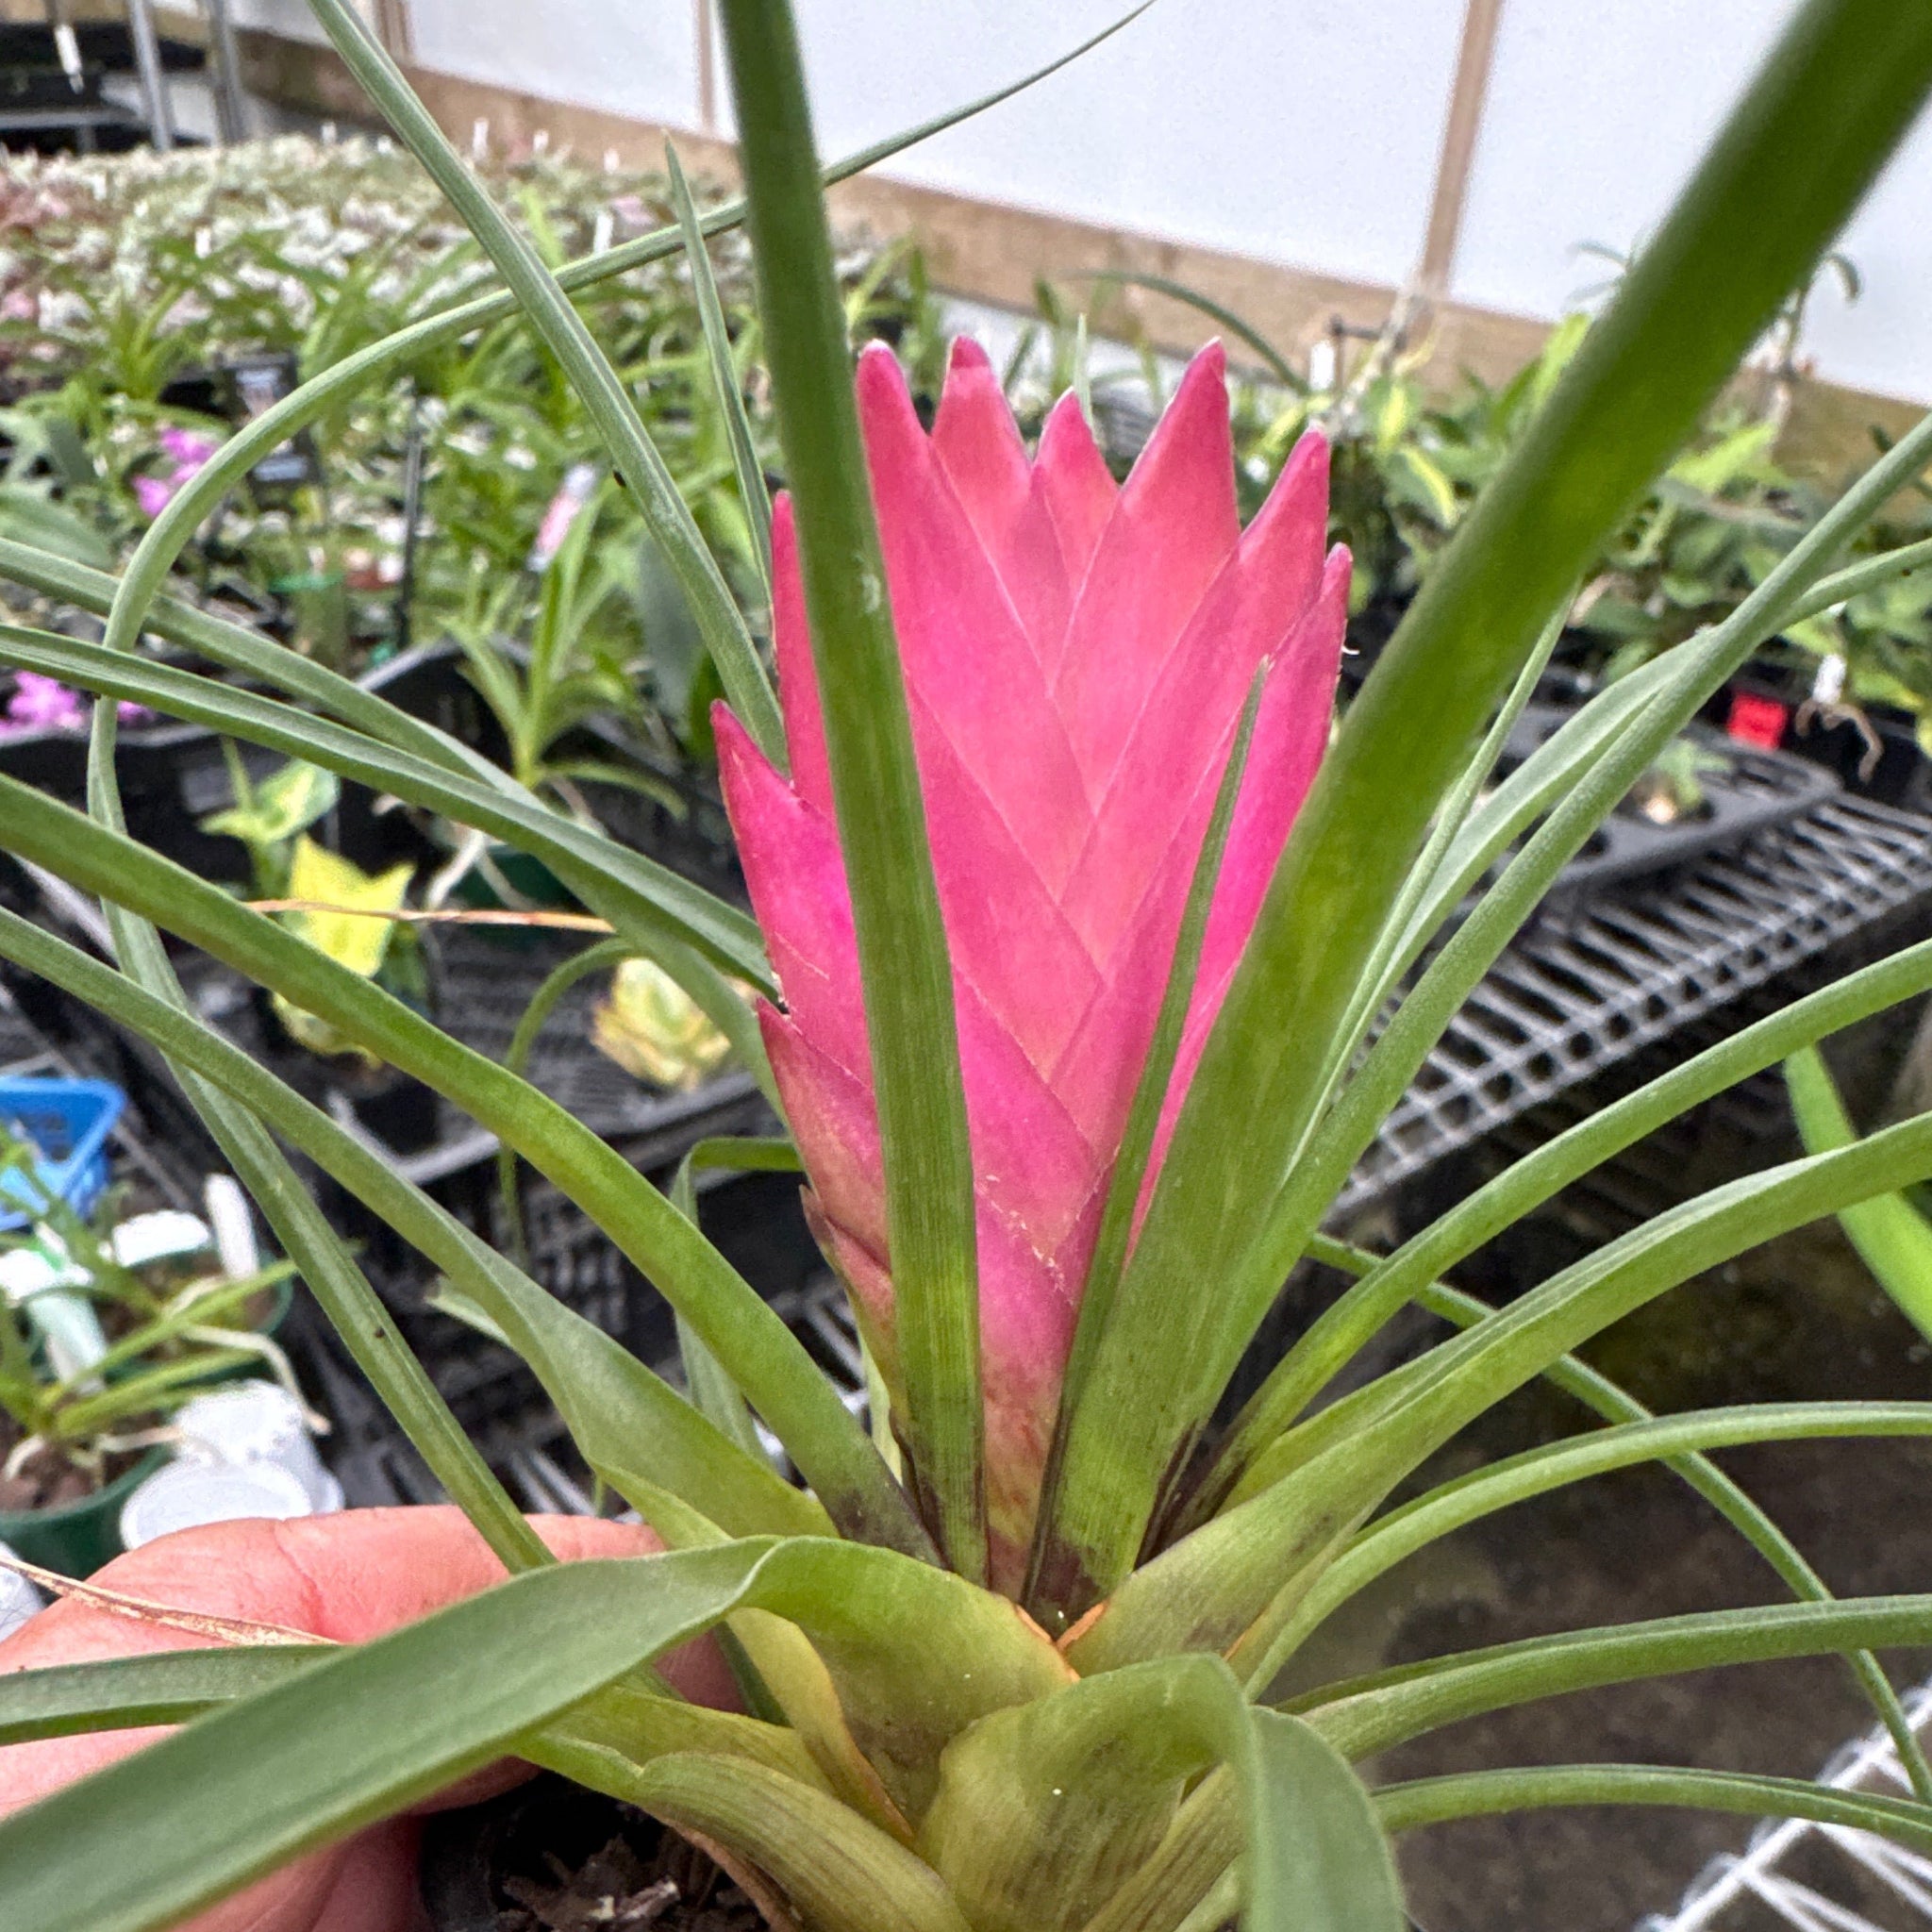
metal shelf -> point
(1574, 997)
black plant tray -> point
(1892, 770)
(1756, 791)
(173, 774)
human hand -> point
(347, 1577)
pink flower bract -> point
(189, 448)
(1076, 658)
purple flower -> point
(187, 450)
(153, 494)
(45, 704)
(190, 449)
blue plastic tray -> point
(68, 1122)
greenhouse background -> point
(1307, 140)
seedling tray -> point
(1752, 791)
(173, 775)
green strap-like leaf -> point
(388, 725)
(1206, 1590)
(236, 648)
(1536, 1473)
(711, 1388)
(1321, 1853)
(1044, 1811)
(918, 1654)
(126, 1693)
(1554, 766)
(626, 1420)
(1690, 675)
(1892, 1237)
(653, 895)
(1856, 579)
(1137, 1139)
(1835, 98)
(530, 1022)
(1393, 956)
(359, 1734)
(543, 299)
(1346, 1326)
(173, 1686)
(1489, 1793)
(903, 956)
(341, 1289)
(1602, 1398)
(1204, 1841)
(838, 1871)
(1187, 1868)
(752, 492)
(1372, 1713)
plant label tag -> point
(580, 480)
(261, 382)
(1756, 720)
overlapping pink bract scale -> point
(1076, 658)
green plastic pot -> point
(77, 1537)
(80, 1537)
(281, 1298)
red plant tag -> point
(1756, 720)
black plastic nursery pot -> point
(173, 775)
(1874, 753)
(552, 1857)
(1747, 791)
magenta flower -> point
(187, 450)
(1076, 658)
(45, 704)
(153, 496)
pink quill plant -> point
(1076, 655)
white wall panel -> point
(1597, 115)
(1302, 131)
(628, 57)
(290, 18)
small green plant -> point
(334, 904)
(102, 1337)
(653, 1028)
(270, 815)
(1673, 788)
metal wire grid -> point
(483, 986)
(1881, 1876)
(1573, 998)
